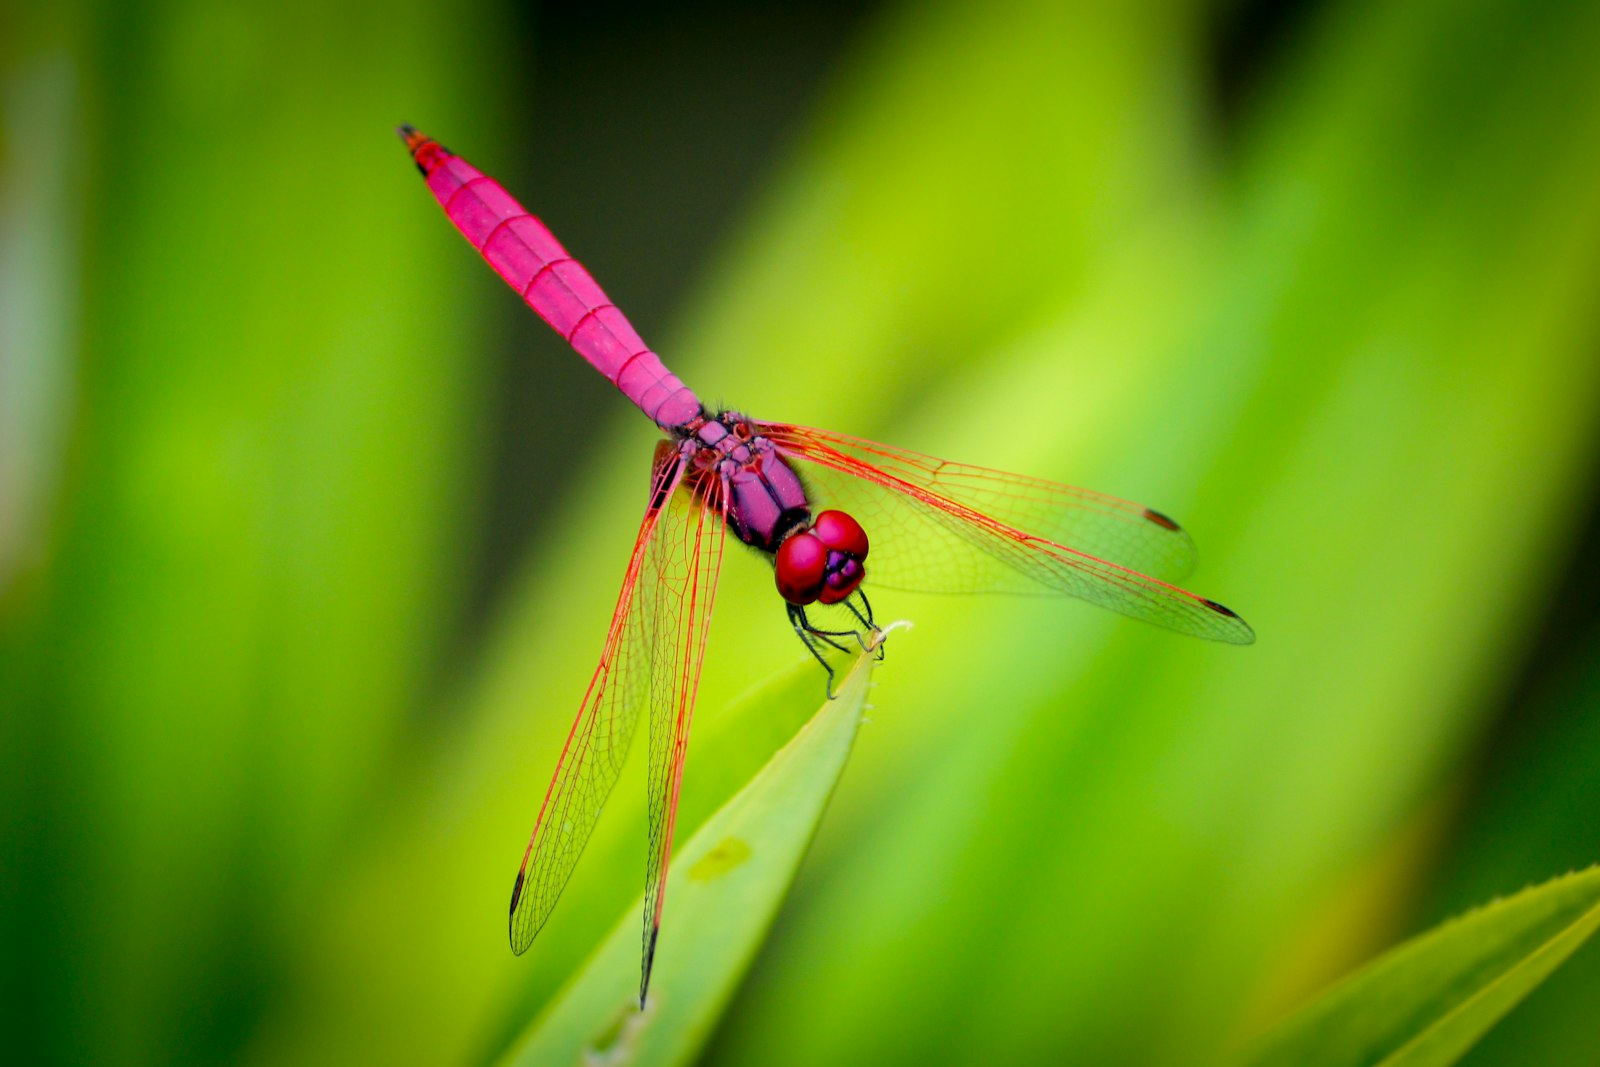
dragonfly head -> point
(824, 562)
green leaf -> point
(725, 885)
(1430, 1000)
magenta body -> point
(765, 500)
(525, 253)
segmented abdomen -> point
(530, 259)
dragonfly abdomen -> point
(524, 252)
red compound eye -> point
(841, 533)
(802, 568)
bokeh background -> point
(309, 531)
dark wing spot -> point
(1165, 522)
(516, 892)
(1218, 608)
(649, 963)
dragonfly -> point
(805, 499)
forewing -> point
(596, 747)
(1097, 524)
(937, 526)
(688, 550)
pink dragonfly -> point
(936, 525)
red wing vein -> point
(691, 559)
(950, 532)
(598, 744)
(1096, 524)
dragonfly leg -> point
(826, 636)
(810, 637)
(813, 637)
(864, 613)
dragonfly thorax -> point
(766, 502)
(817, 560)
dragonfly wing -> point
(937, 526)
(1096, 524)
(687, 556)
(598, 743)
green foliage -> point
(1427, 1002)
(727, 882)
(264, 777)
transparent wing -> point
(596, 747)
(1096, 524)
(938, 526)
(688, 555)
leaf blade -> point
(1427, 1002)
(727, 885)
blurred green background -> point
(309, 531)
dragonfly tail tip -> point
(410, 135)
